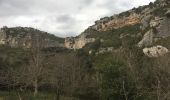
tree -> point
(63, 73)
(113, 80)
(33, 72)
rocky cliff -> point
(117, 21)
(25, 37)
(77, 42)
(153, 21)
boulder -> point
(155, 51)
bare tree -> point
(62, 73)
(34, 70)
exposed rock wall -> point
(147, 39)
(164, 28)
(159, 28)
(77, 42)
(116, 21)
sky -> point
(61, 17)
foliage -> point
(113, 78)
(87, 93)
(12, 56)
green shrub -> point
(112, 75)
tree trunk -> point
(158, 90)
(58, 94)
(35, 87)
(19, 96)
(125, 94)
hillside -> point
(122, 57)
(143, 26)
(25, 37)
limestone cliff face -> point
(159, 28)
(117, 21)
(24, 37)
(77, 42)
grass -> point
(13, 95)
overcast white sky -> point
(61, 17)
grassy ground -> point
(29, 96)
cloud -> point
(61, 17)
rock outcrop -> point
(116, 21)
(106, 50)
(147, 39)
(77, 42)
(155, 51)
(159, 28)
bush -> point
(113, 78)
(116, 43)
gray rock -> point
(163, 30)
(77, 42)
(147, 39)
(155, 22)
(155, 51)
(145, 22)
